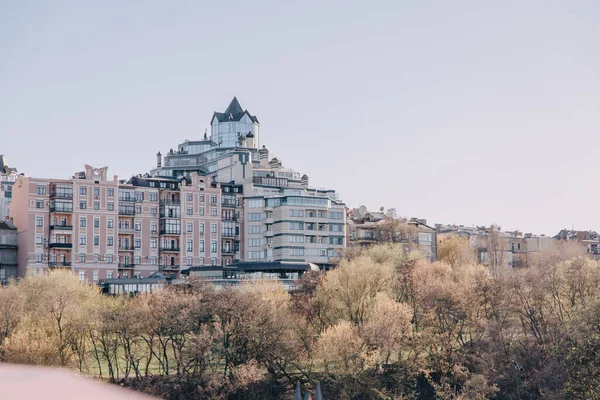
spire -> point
(234, 108)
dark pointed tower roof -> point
(234, 112)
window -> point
(336, 240)
(257, 242)
(201, 210)
(201, 246)
(213, 261)
(336, 227)
(82, 257)
(38, 258)
(96, 240)
(83, 190)
(109, 259)
(190, 197)
(153, 211)
(256, 203)
(201, 229)
(81, 276)
(96, 205)
(39, 240)
(189, 261)
(296, 252)
(153, 197)
(83, 222)
(96, 222)
(189, 227)
(137, 243)
(96, 191)
(139, 196)
(138, 209)
(296, 239)
(190, 246)
(95, 258)
(83, 204)
(111, 192)
(256, 255)
(256, 216)
(153, 260)
(296, 213)
(213, 228)
(296, 226)
(213, 199)
(39, 221)
(138, 226)
(213, 246)
(41, 189)
(39, 204)
(110, 223)
(137, 260)
(153, 243)
(82, 240)
(189, 211)
(110, 206)
(213, 212)
(109, 240)
(153, 227)
(518, 246)
(255, 229)
(109, 274)
(336, 215)
(201, 198)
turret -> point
(158, 160)
(250, 140)
(304, 181)
(263, 155)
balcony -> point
(61, 245)
(59, 264)
(154, 233)
(126, 231)
(170, 232)
(126, 211)
(229, 219)
(228, 234)
(170, 249)
(127, 199)
(61, 195)
(227, 251)
(231, 204)
(125, 248)
(169, 267)
(125, 265)
(175, 202)
(61, 209)
(61, 227)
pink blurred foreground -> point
(26, 382)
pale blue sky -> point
(466, 112)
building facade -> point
(8, 176)
(8, 251)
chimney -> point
(158, 160)
(242, 140)
(304, 181)
(250, 140)
(263, 155)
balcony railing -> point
(170, 249)
(126, 248)
(168, 267)
(228, 204)
(170, 232)
(227, 251)
(126, 211)
(228, 234)
(61, 245)
(62, 227)
(126, 265)
(61, 195)
(130, 199)
(231, 219)
(175, 202)
(59, 263)
(61, 209)
(126, 231)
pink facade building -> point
(102, 228)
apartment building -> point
(8, 176)
(368, 227)
(8, 251)
(104, 228)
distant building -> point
(368, 227)
(8, 176)
(589, 239)
(8, 251)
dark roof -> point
(234, 110)
(263, 266)
(7, 225)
